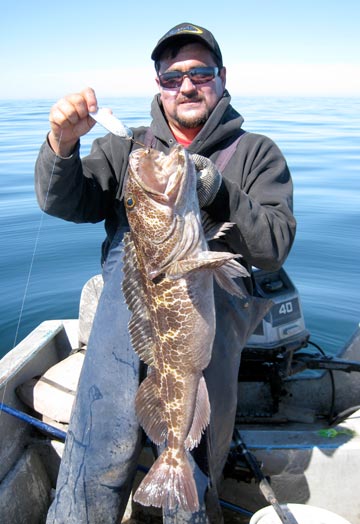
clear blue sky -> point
(270, 47)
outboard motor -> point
(269, 351)
(284, 325)
(280, 346)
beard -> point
(188, 120)
(191, 122)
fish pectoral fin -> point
(225, 275)
(149, 410)
(201, 416)
(206, 260)
(214, 230)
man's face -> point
(189, 106)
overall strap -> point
(149, 138)
(225, 154)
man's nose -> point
(187, 85)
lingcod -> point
(168, 284)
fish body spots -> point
(173, 315)
(175, 454)
(169, 336)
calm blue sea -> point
(44, 261)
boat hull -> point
(305, 465)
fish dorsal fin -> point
(149, 409)
(201, 416)
(139, 326)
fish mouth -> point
(160, 176)
(169, 181)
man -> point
(242, 178)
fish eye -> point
(130, 201)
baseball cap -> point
(191, 32)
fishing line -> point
(36, 243)
(37, 238)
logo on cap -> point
(192, 29)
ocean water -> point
(44, 261)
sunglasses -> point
(197, 75)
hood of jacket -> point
(223, 123)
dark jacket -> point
(256, 192)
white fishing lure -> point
(111, 123)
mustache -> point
(195, 97)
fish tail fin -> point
(168, 484)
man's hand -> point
(209, 179)
(70, 119)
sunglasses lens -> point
(197, 75)
(171, 79)
(201, 75)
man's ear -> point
(223, 76)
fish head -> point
(160, 191)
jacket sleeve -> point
(257, 195)
(80, 190)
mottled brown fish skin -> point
(168, 286)
(176, 373)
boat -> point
(298, 415)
